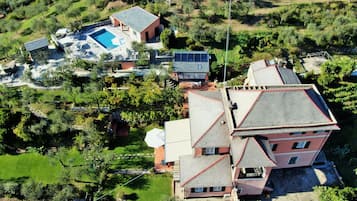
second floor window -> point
(273, 147)
(320, 132)
(297, 133)
(301, 145)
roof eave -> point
(184, 183)
(287, 126)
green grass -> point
(149, 188)
(35, 166)
(73, 158)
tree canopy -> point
(336, 194)
(336, 70)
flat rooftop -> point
(314, 63)
(177, 140)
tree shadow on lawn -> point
(264, 4)
(131, 196)
(136, 136)
(141, 183)
(134, 162)
(252, 19)
(134, 143)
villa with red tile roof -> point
(235, 137)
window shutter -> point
(210, 189)
(204, 189)
(307, 144)
(203, 151)
(223, 188)
(216, 150)
(192, 190)
(294, 145)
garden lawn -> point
(149, 188)
(31, 165)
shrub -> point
(11, 188)
(26, 31)
(336, 194)
(91, 17)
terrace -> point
(90, 44)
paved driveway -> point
(296, 184)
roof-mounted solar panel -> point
(184, 58)
(190, 57)
(204, 57)
(197, 57)
(177, 57)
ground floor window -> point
(198, 190)
(192, 76)
(292, 160)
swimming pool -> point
(104, 38)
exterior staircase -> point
(170, 83)
(176, 171)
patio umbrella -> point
(155, 138)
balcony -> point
(252, 173)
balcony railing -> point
(251, 173)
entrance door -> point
(147, 36)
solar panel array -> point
(190, 57)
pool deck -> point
(83, 46)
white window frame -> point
(272, 146)
(210, 151)
(301, 144)
(297, 158)
(255, 169)
(199, 66)
(217, 189)
(198, 190)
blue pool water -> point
(104, 38)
